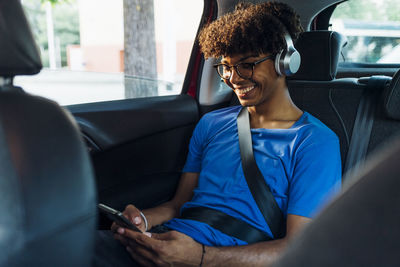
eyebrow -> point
(242, 59)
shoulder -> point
(312, 128)
(213, 122)
(313, 135)
(224, 112)
(221, 116)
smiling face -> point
(262, 88)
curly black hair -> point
(251, 28)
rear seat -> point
(314, 87)
(387, 117)
(335, 102)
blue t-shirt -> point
(301, 165)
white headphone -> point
(287, 61)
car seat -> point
(47, 190)
(361, 227)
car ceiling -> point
(307, 9)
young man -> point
(298, 156)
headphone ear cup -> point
(292, 62)
(287, 61)
(279, 68)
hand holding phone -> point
(117, 217)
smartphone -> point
(117, 217)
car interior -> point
(59, 162)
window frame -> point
(322, 22)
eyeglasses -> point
(244, 70)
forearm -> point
(259, 254)
(170, 209)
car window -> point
(99, 50)
(372, 28)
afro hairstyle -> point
(250, 28)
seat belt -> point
(226, 224)
(364, 121)
(255, 180)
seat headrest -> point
(320, 51)
(392, 98)
(19, 54)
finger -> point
(132, 234)
(152, 250)
(148, 255)
(114, 227)
(139, 257)
(164, 236)
(142, 239)
(133, 214)
(170, 236)
(145, 242)
(121, 239)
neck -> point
(277, 112)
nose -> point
(235, 77)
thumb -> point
(136, 219)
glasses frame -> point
(235, 67)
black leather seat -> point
(47, 191)
(337, 102)
(360, 228)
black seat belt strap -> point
(226, 224)
(255, 180)
(364, 121)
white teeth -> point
(243, 91)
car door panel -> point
(138, 147)
(115, 122)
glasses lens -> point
(245, 70)
(224, 71)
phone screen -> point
(117, 217)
